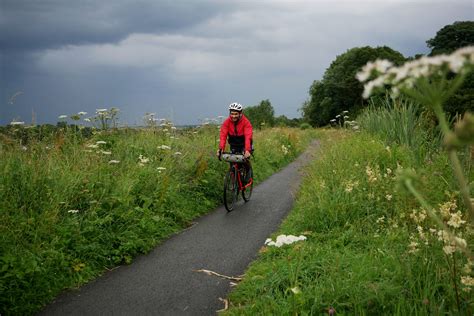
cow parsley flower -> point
(17, 123)
(406, 75)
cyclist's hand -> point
(247, 154)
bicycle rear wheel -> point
(247, 192)
(231, 189)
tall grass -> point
(72, 207)
(368, 249)
(400, 121)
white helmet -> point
(236, 107)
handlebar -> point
(231, 157)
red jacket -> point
(240, 133)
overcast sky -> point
(187, 60)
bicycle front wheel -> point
(231, 189)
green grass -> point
(357, 257)
(67, 214)
(398, 121)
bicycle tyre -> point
(247, 192)
(230, 189)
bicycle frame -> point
(237, 166)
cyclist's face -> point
(234, 116)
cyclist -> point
(237, 129)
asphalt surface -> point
(165, 281)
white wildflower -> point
(161, 168)
(449, 249)
(446, 208)
(467, 280)
(106, 152)
(350, 185)
(143, 160)
(62, 117)
(456, 220)
(405, 75)
(17, 123)
(92, 146)
(177, 153)
(413, 247)
(101, 142)
(444, 236)
(388, 197)
(114, 162)
(460, 242)
(467, 269)
(372, 174)
(82, 113)
(164, 147)
(73, 211)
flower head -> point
(456, 220)
(406, 75)
(17, 123)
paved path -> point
(164, 282)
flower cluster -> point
(143, 160)
(405, 76)
(350, 185)
(372, 174)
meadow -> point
(76, 202)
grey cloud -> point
(186, 59)
(34, 25)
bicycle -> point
(234, 180)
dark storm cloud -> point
(35, 25)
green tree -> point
(284, 121)
(339, 90)
(447, 40)
(452, 37)
(261, 115)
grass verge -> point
(370, 248)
